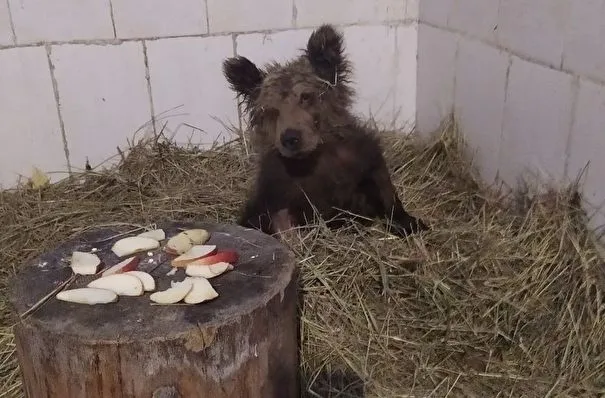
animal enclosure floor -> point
(503, 297)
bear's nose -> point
(290, 139)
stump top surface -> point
(264, 269)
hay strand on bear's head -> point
(500, 298)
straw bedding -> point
(503, 297)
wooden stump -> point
(242, 344)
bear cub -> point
(317, 158)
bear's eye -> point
(306, 98)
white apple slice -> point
(197, 236)
(196, 252)
(130, 264)
(178, 244)
(183, 241)
(133, 244)
(120, 284)
(156, 234)
(84, 263)
(88, 295)
(207, 271)
(202, 291)
(173, 294)
(146, 279)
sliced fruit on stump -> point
(201, 291)
(175, 293)
(145, 278)
(183, 241)
(88, 295)
(155, 234)
(207, 271)
(120, 284)
(130, 264)
(196, 252)
(222, 256)
(133, 244)
(84, 263)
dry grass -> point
(502, 298)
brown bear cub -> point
(317, 159)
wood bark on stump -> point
(242, 344)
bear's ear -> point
(243, 76)
(325, 52)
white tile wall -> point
(534, 28)
(435, 12)
(537, 121)
(186, 74)
(104, 98)
(412, 9)
(405, 83)
(436, 58)
(6, 34)
(348, 12)
(30, 125)
(587, 142)
(246, 15)
(371, 50)
(585, 42)
(61, 20)
(262, 48)
(479, 101)
(156, 18)
(476, 17)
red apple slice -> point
(84, 263)
(130, 264)
(207, 271)
(120, 284)
(197, 236)
(145, 278)
(201, 291)
(175, 293)
(88, 295)
(196, 252)
(225, 256)
(156, 234)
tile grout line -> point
(11, 22)
(207, 17)
(58, 103)
(294, 14)
(113, 21)
(149, 91)
(572, 122)
(501, 136)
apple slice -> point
(130, 264)
(197, 236)
(145, 278)
(84, 263)
(155, 234)
(88, 295)
(196, 252)
(120, 284)
(207, 271)
(225, 256)
(183, 241)
(133, 244)
(201, 291)
(175, 293)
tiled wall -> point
(80, 77)
(526, 79)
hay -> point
(501, 298)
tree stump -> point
(242, 344)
